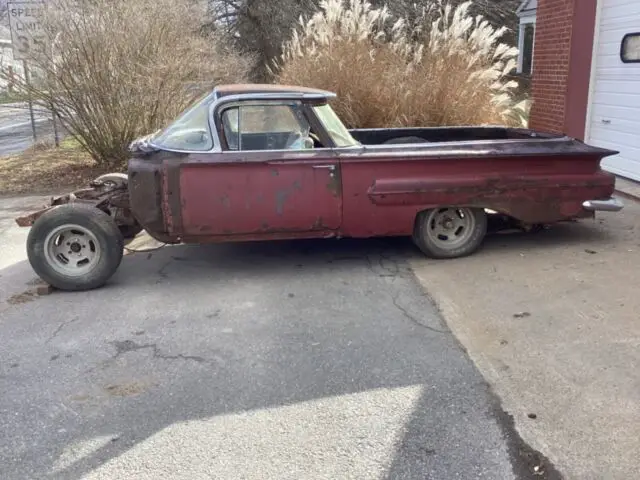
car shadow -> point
(567, 234)
(258, 257)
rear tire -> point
(75, 247)
(450, 232)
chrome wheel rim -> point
(72, 250)
(450, 227)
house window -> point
(528, 33)
(527, 13)
(630, 48)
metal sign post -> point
(27, 80)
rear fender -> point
(530, 199)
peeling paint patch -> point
(283, 195)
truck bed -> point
(379, 136)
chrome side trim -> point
(610, 205)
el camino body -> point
(264, 162)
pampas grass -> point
(449, 68)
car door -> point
(267, 180)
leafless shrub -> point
(449, 68)
(115, 69)
(258, 26)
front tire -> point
(75, 247)
(450, 232)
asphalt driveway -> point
(551, 321)
(277, 360)
(16, 133)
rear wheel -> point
(450, 232)
(75, 247)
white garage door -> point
(615, 98)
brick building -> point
(585, 70)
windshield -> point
(190, 132)
(334, 126)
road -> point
(288, 360)
(15, 128)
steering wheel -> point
(315, 138)
(304, 139)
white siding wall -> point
(615, 98)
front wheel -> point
(450, 232)
(75, 247)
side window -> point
(630, 48)
(230, 127)
(266, 127)
(190, 132)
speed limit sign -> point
(27, 32)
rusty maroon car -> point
(265, 162)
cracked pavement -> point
(314, 360)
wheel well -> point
(496, 219)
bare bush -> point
(115, 69)
(259, 26)
(449, 68)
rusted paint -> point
(366, 198)
(260, 236)
(239, 88)
(29, 220)
(113, 200)
(375, 190)
(288, 202)
(283, 194)
(531, 189)
(145, 191)
(166, 204)
(334, 185)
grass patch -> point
(44, 169)
(6, 97)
